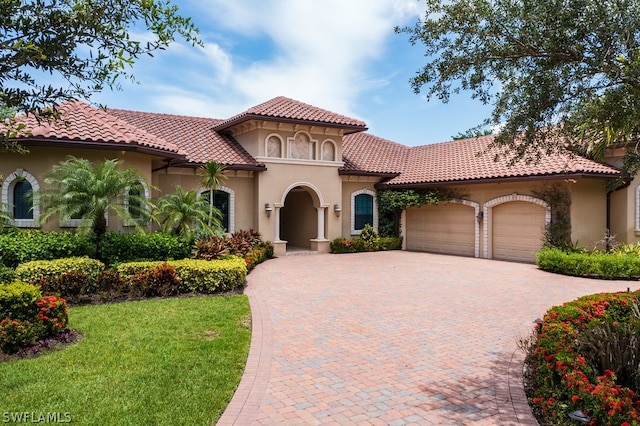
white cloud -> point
(320, 50)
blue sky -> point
(335, 54)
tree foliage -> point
(557, 72)
(79, 189)
(185, 214)
(212, 174)
(473, 133)
(55, 50)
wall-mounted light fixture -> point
(337, 209)
(480, 216)
(268, 209)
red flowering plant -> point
(52, 312)
(569, 368)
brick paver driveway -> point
(393, 338)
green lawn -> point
(155, 362)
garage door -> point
(517, 230)
(446, 228)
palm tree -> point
(183, 212)
(212, 174)
(80, 189)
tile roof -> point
(195, 135)
(459, 161)
(197, 140)
(80, 122)
(364, 153)
(285, 109)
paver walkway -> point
(393, 338)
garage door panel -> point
(517, 230)
(445, 228)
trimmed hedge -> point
(589, 264)
(117, 247)
(33, 272)
(344, 245)
(198, 276)
(7, 275)
(18, 301)
(19, 246)
(26, 316)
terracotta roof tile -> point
(285, 109)
(83, 123)
(366, 153)
(459, 161)
(195, 135)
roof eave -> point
(235, 166)
(387, 175)
(104, 145)
(586, 175)
(351, 128)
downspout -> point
(626, 181)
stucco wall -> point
(322, 183)
(39, 161)
(588, 212)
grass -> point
(162, 361)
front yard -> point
(159, 361)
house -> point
(302, 176)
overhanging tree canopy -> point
(557, 72)
(55, 50)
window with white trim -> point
(17, 197)
(364, 210)
(134, 204)
(223, 200)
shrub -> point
(19, 246)
(26, 316)
(18, 334)
(33, 272)
(568, 370)
(7, 275)
(199, 276)
(160, 281)
(52, 312)
(68, 284)
(251, 236)
(118, 247)
(237, 245)
(210, 248)
(594, 264)
(18, 301)
(259, 254)
(110, 282)
(369, 238)
(241, 243)
(342, 245)
(390, 243)
(203, 276)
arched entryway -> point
(301, 218)
(298, 219)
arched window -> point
(22, 203)
(223, 200)
(133, 201)
(17, 190)
(364, 210)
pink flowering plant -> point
(587, 358)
